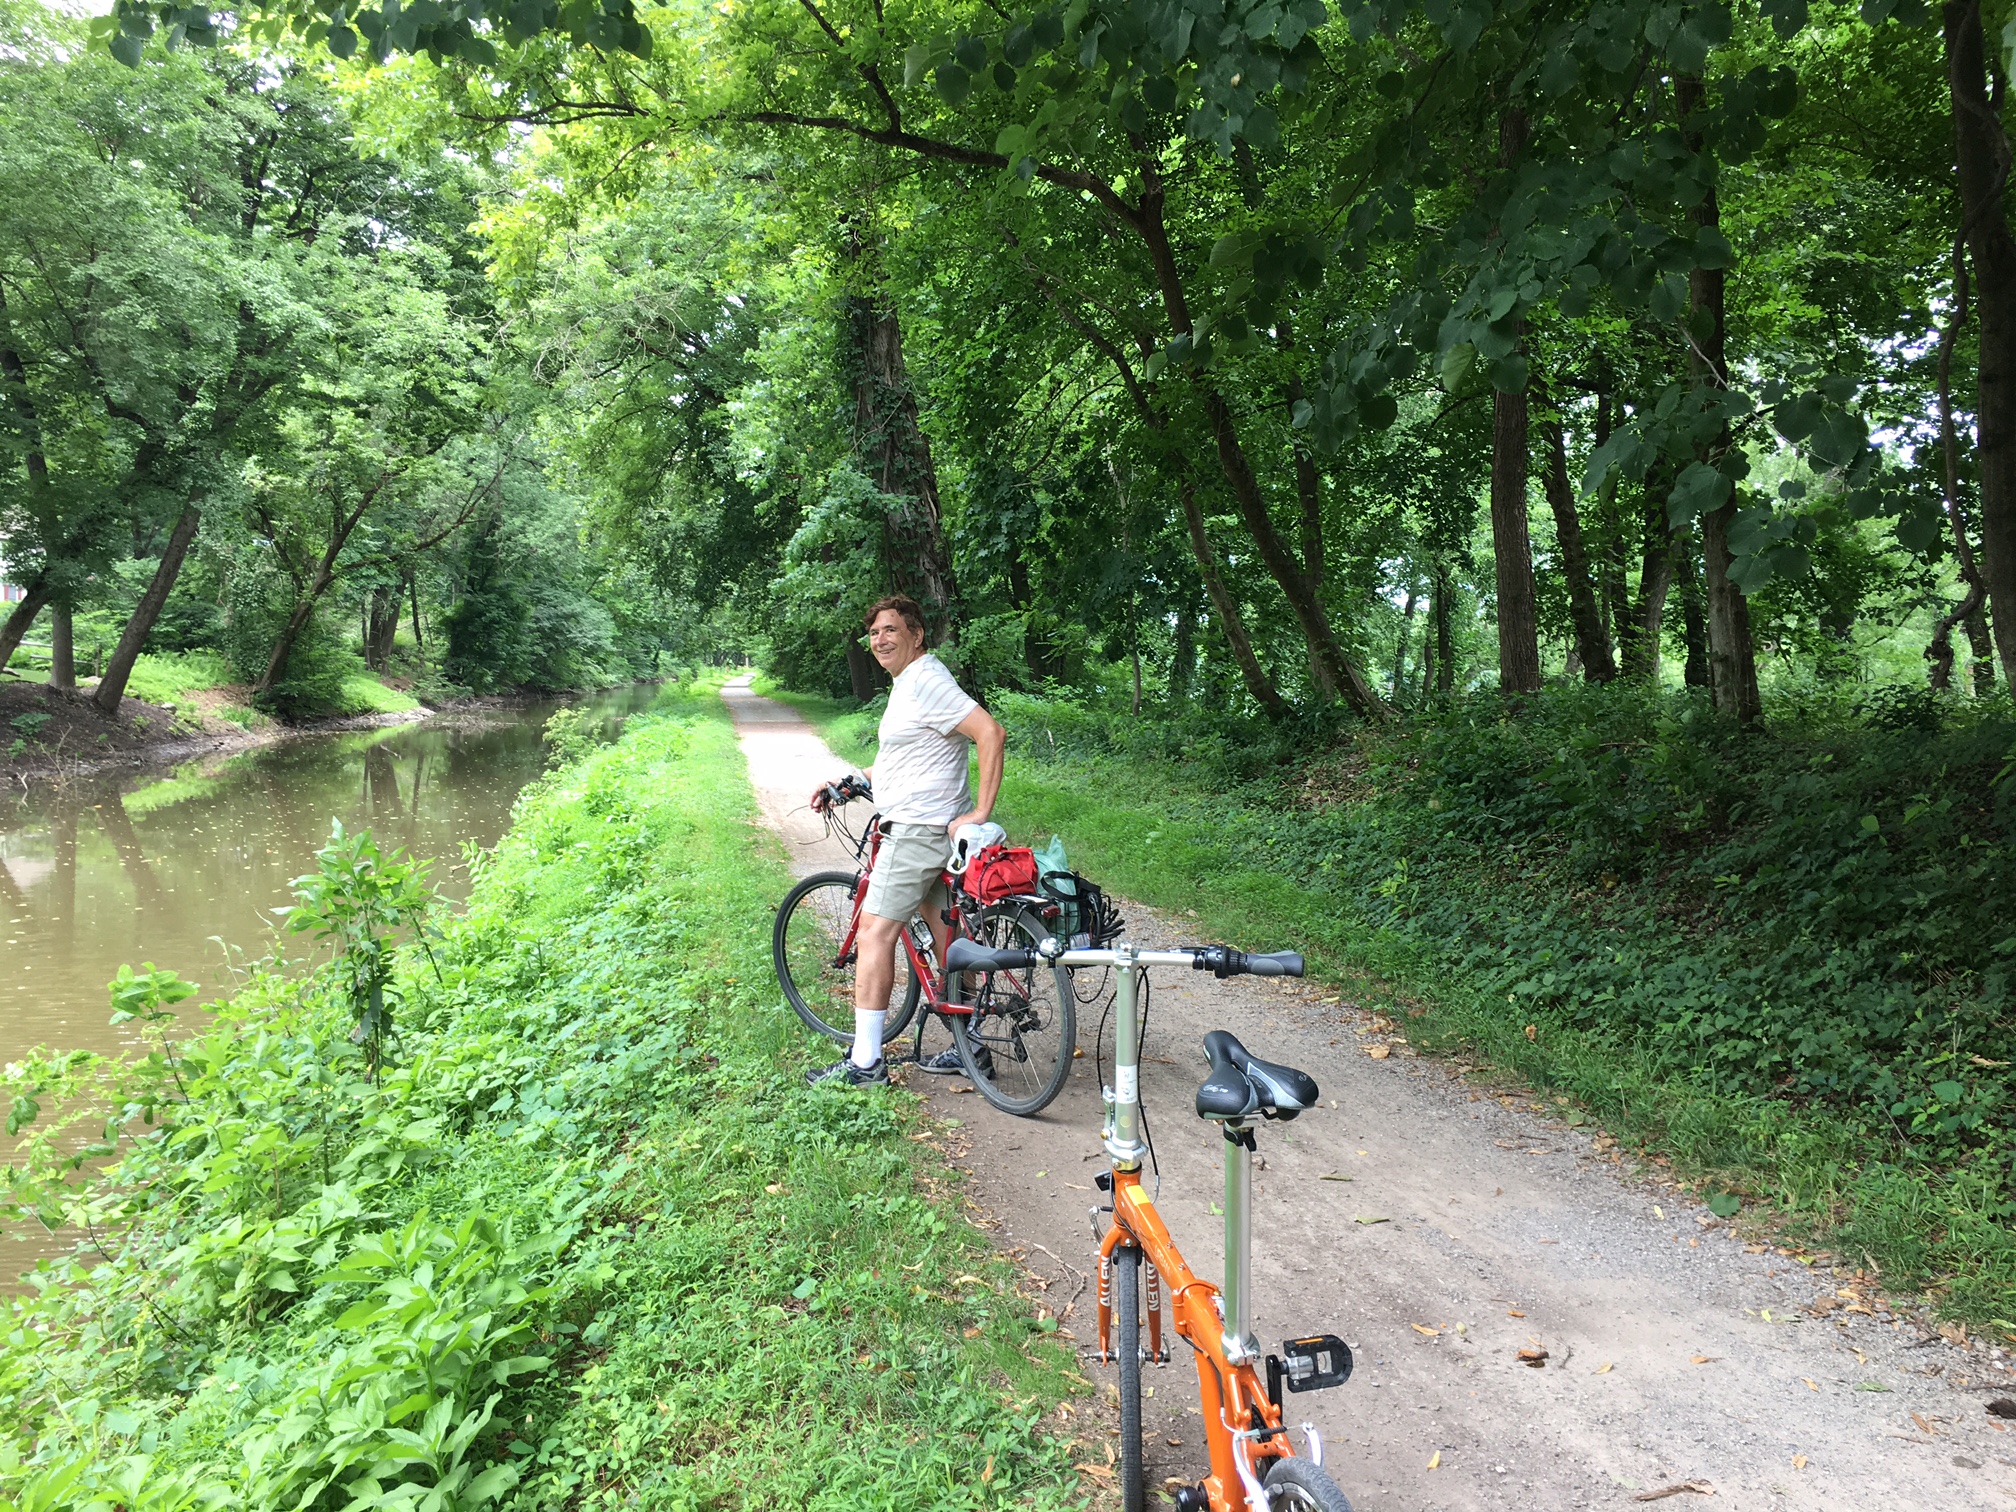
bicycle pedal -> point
(1316, 1363)
(1192, 1499)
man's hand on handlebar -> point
(839, 794)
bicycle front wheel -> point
(1017, 1043)
(817, 975)
(1295, 1485)
(1127, 1359)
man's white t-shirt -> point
(920, 766)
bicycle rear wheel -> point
(1127, 1360)
(1017, 1043)
(816, 975)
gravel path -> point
(1441, 1226)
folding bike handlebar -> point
(1220, 960)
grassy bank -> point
(1781, 960)
(587, 1240)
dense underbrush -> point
(584, 1239)
(1786, 957)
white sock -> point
(867, 1037)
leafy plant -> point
(353, 902)
(29, 725)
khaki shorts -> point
(909, 872)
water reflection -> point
(127, 869)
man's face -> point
(893, 642)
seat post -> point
(1123, 1098)
(1240, 1344)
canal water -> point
(185, 871)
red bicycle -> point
(1015, 1030)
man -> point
(924, 797)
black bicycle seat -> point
(1241, 1084)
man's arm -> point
(985, 731)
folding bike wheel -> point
(817, 978)
(1017, 1043)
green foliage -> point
(589, 1237)
(353, 902)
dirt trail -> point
(1440, 1228)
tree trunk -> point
(1731, 654)
(62, 650)
(283, 646)
(140, 623)
(860, 670)
(1655, 580)
(896, 457)
(381, 626)
(1697, 674)
(1400, 653)
(1309, 497)
(1511, 544)
(1445, 644)
(1512, 548)
(1288, 574)
(1981, 154)
(413, 587)
(1258, 683)
(1592, 638)
(1980, 643)
(11, 634)
(1183, 654)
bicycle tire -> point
(1295, 1485)
(1127, 1362)
(817, 982)
(1025, 1021)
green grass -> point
(591, 1239)
(169, 677)
(365, 694)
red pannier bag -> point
(1002, 871)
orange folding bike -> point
(1254, 1468)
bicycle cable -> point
(1099, 1065)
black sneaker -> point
(845, 1073)
(947, 1063)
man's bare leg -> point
(874, 975)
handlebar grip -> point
(971, 955)
(1279, 963)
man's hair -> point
(911, 611)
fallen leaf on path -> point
(1379, 1052)
(1705, 1359)
(1700, 1488)
(1923, 1426)
(1798, 1462)
(1550, 1241)
(1436, 1462)
(1079, 1053)
(1333, 1176)
(1533, 1031)
(1173, 1443)
(1605, 1368)
(1514, 1313)
(1810, 1384)
(1104, 1472)
(1534, 1357)
(2002, 1407)
(1423, 1328)
(1361, 1218)
(956, 1089)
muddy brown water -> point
(182, 868)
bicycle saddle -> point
(1241, 1085)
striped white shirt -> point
(920, 766)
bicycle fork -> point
(1158, 1352)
